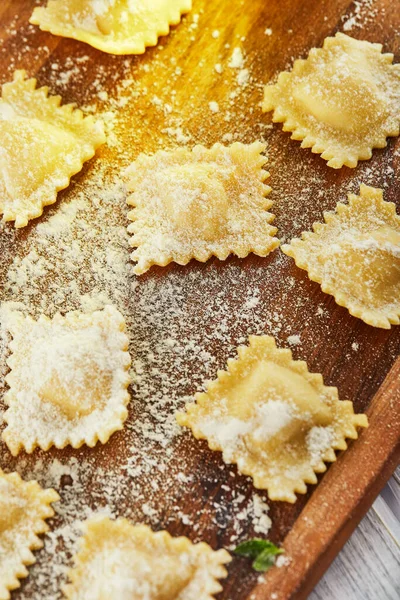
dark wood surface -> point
(303, 186)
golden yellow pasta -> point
(355, 256)
(199, 203)
(24, 506)
(117, 560)
(275, 420)
(114, 26)
(42, 145)
(342, 102)
(68, 380)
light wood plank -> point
(367, 568)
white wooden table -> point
(368, 567)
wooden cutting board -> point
(204, 311)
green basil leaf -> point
(252, 548)
(266, 559)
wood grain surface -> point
(351, 355)
(368, 566)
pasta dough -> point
(42, 145)
(119, 560)
(199, 203)
(342, 102)
(68, 380)
(24, 506)
(114, 26)
(355, 256)
(275, 420)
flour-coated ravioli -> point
(199, 203)
(119, 560)
(114, 26)
(68, 380)
(24, 506)
(275, 420)
(342, 101)
(42, 145)
(355, 256)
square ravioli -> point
(199, 203)
(355, 256)
(275, 420)
(43, 145)
(68, 380)
(116, 560)
(342, 102)
(113, 26)
(24, 506)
